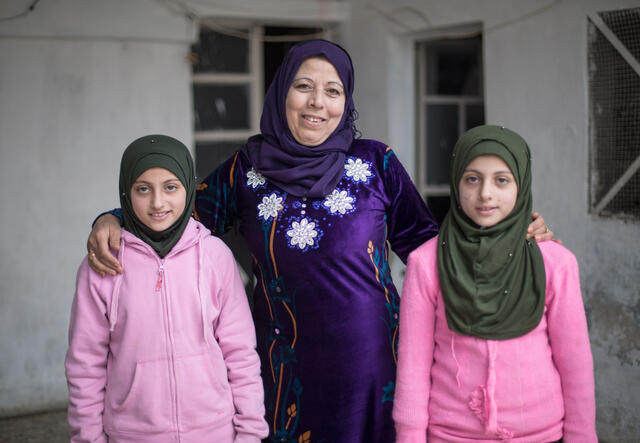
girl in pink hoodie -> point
(166, 351)
(493, 338)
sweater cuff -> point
(410, 435)
(117, 212)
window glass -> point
(220, 53)
(442, 133)
(453, 68)
(474, 115)
(221, 106)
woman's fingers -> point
(104, 235)
(538, 228)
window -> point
(614, 113)
(450, 101)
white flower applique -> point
(338, 201)
(255, 179)
(357, 170)
(270, 206)
(302, 233)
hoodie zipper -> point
(160, 278)
(160, 284)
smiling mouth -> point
(159, 214)
(312, 119)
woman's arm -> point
(415, 354)
(409, 220)
(104, 237)
(86, 360)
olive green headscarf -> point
(156, 151)
(492, 279)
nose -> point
(316, 98)
(486, 191)
(156, 200)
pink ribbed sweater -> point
(534, 388)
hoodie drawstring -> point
(113, 312)
(203, 304)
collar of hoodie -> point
(192, 236)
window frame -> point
(423, 99)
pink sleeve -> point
(235, 333)
(571, 349)
(415, 353)
(86, 360)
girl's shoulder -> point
(427, 253)
(556, 255)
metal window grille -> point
(614, 113)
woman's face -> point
(158, 198)
(487, 190)
(315, 102)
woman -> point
(317, 208)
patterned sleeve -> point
(215, 205)
(410, 221)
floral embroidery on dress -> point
(270, 206)
(339, 201)
(358, 170)
(303, 234)
(255, 179)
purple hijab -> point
(298, 169)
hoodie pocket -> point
(147, 407)
(204, 395)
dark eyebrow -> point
(506, 171)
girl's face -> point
(487, 190)
(315, 102)
(158, 198)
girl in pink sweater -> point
(166, 351)
(493, 337)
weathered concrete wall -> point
(535, 55)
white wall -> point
(79, 80)
(535, 83)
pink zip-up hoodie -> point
(166, 351)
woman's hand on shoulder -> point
(539, 230)
(104, 236)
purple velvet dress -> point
(325, 308)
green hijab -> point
(492, 279)
(156, 151)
